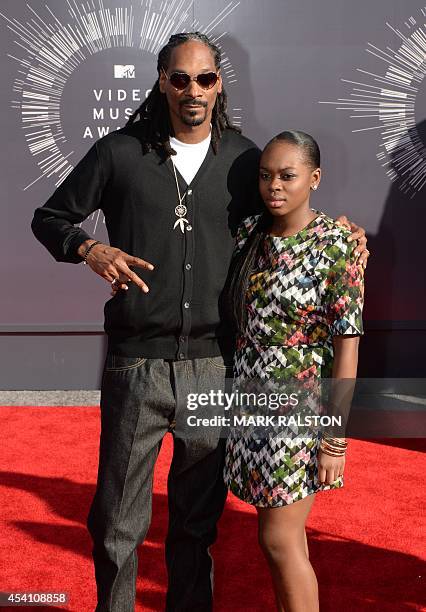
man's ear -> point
(219, 83)
(162, 81)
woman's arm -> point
(345, 365)
(343, 297)
(345, 362)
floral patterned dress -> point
(306, 288)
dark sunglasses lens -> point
(207, 80)
(179, 80)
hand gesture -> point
(114, 266)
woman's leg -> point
(282, 538)
(306, 544)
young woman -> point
(296, 294)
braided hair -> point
(154, 114)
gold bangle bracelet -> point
(333, 448)
(332, 454)
(330, 449)
(339, 441)
(335, 444)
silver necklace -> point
(180, 209)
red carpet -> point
(366, 540)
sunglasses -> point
(181, 80)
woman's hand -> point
(329, 468)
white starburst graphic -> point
(389, 98)
(54, 49)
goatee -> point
(191, 118)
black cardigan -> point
(180, 317)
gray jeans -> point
(140, 401)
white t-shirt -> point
(189, 157)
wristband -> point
(89, 249)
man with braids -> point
(173, 184)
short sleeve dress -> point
(305, 289)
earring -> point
(314, 187)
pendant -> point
(181, 223)
(180, 211)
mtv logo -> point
(124, 72)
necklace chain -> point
(177, 184)
(180, 209)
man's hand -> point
(358, 233)
(114, 266)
